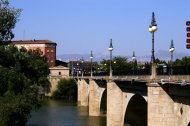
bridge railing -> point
(176, 70)
(166, 70)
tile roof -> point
(33, 42)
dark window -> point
(59, 73)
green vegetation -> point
(119, 65)
(66, 89)
(122, 66)
(8, 18)
(23, 74)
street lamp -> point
(72, 70)
(77, 69)
(91, 57)
(110, 49)
(133, 58)
(171, 50)
(153, 28)
(82, 61)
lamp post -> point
(91, 57)
(72, 70)
(133, 58)
(171, 50)
(82, 61)
(77, 69)
(153, 28)
(110, 49)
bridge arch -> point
(136, 111)
(103, 102)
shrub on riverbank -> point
(66, 89)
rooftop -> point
(33, 42)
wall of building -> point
(56, 73)
(47, 48)
(63, 72)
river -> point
(60, 113)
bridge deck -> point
(172, 79)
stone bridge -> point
(137, 100)
(133, 100)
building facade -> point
(47, 47)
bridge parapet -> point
(178, 79)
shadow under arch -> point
(103, 103)
(188, 124)
(136, 112)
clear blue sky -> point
(79, 26)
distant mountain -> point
(160, 54)
(74, 57)
(165, 55)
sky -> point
(79, 26)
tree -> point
(21, 79)
(66, 89)
(120, 65)
(8, 18)
(181, 66)
(22, 73)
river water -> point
(60, 113)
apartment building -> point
(47, 47)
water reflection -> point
(59, 113)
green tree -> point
(14, 110)
(16, 83)
(8, 18)
(22, 73)
(120, 65)
(185, 61)
(66, 89)
(181, 66)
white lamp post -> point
(91, 57)
(171, 50)
(110, 49)
(77, 69)
(82, 61)
(133, 58)
(153, 28)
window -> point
(59, 73)
(51, 50)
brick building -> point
(48, 48)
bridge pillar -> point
(160, 107)
(95, 94)
(79, 92)
(153, 71)
(53, 87)
(84, 93)
(114, 105)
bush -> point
(14, 110)
(66, 89)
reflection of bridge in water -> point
(137, 100)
